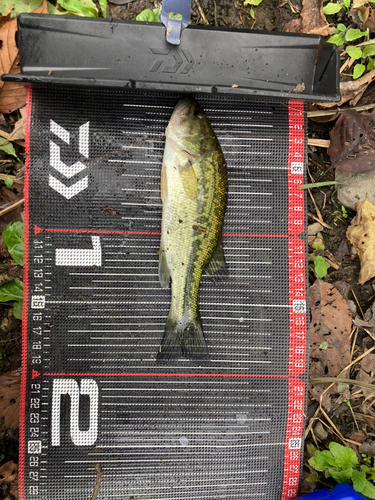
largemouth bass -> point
(194, 195)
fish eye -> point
(198, 113)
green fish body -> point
(194, 194)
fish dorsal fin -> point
(189, 179)
(217, 267)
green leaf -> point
(369, 50)
(347, 3)
(344, 457)
(17, 309)
(320, 266)
(336, 39)
(371, 64)
(319, 462)
(331, 8)
(52, 9)
(358, 70)
(13, 236)
(8, 148)
(368, 490)
(354, 52)
(354, 34)
(8, 181)
(365, 468)
(252, 13)
(359, 480)
(313, 478)
(323, 346)
(341, 476)
(150, 16)
(172, 15)
(310, 448)
(341, 27)
(328, 457)
(78, 7)
(11, 291)
(103, 7)
(253, 2)
(19, 6)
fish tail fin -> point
(182, 339)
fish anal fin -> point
(189, 179)
(164, 271)
(217, 267)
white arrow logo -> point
(65, 170)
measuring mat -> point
(229, 427)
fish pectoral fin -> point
(217, 267)
(189, 179)
(163, 184)
(164, 271)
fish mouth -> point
(182, 109)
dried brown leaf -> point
(331, 322)
(367, 374)
(361, 234)
(13, 95)
(9, 474)
(313, 19)
(10, 385)
(352, 147)
(42, 9)
(8, 46)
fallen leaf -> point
(18, 133)
(10, 385)
(358, 3)
(8, 472)
(313, 19)
(42, 9)
(361, 234)
(293, 26)
(352, 147)
(9, 475)
(13, 95)
(367, 374)
(331, 323)
(8, 46)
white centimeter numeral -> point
(80, 256)
(70, 387)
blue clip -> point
(175, 26)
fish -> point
(193, 188)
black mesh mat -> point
(94, 316)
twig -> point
(322, 112)
(318, 220)
(12, 207)
(99, 474)
(322, 143)
(201, 12)
(358, 304)
(353, 343)
(369, 333)
(318, 212)
(215, 12)
(334, 380)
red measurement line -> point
(25, 303)
(234, 375)
(150, 233)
